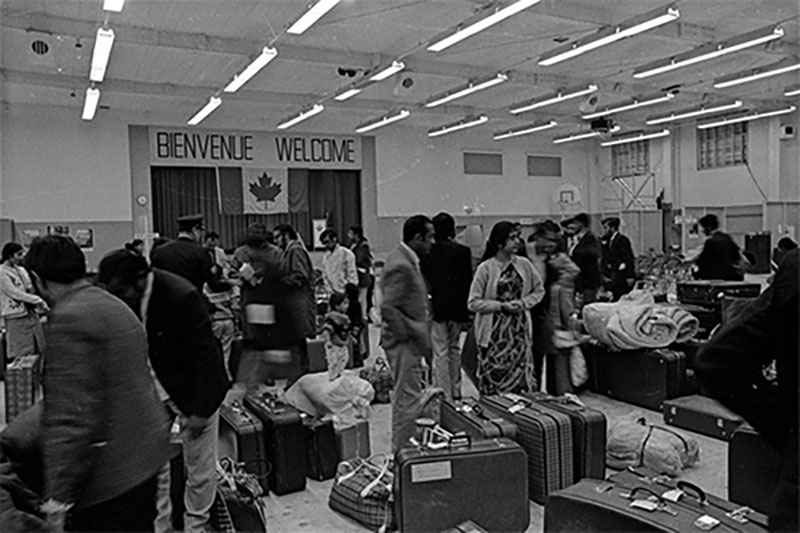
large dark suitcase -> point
(595, 354)
(702, 415)
(709, 292)
(760, 246)
(483, 481)
(321, 453)
(588, 434)
(644, 377)
(469, 416)
(753, 469)
(248, 432)
(546, 436)
(594, 505)
(285, 441)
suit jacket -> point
(104, 430)
(586, 255)
(298, 302)
(448, 271)
(185, 258)
(618, 252)
(404, 309)
(719, 259)
(183, 350)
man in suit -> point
(721, 258)
(448, 271)
(729, 368)
(405, 334)
(619, 264)
(104, 435)
(185, 256)
(188, 365)
(585, 251)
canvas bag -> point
(362, 490)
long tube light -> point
(710, 51)
(113, 5)
(553, 98)
(213, 103)
(303, 115)
(467, 122)
(477, 24)
(524, 130)
(607, 36)
(792, 91)
(90, 103)
(634, 104)
(689, 113)
(581, 136)
(347, 93)
(391, 70)
(266, 55)
(745, 118)
(102, 51)
(753, 75)
(471, 87)
(383, 121)
(635, 138)
(315, 12)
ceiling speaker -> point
(40, 49)
(404, 85)
(589, 105)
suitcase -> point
(22, 385)
(753, 469)
(353, 441)
(284, 438)
(595, 364)
(466, 527)
(248, 434)
(588, 435)
(545, 436)
(760, 246)
(321, 454)
(316, 356)
(709, 292)
(468, 416)
(702, 415)
(644, 377)
(593, 505)
(483, 481)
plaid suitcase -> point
(545, 436)
(248, 434)
(23, 385)
(468, 416)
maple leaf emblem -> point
(265, 190)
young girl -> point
(336, 332)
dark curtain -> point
(335, 195)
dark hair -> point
(567, 222)
(415, 225)
(358, 231)
(10, 249)
(498, 238)
(444, 226)
(582, 219)
(158, 241)
(550, 225)
(121, 266)
(137, 242)
(56, 258)
(612, 222)
(709, 221)
(328, 234)
(256, 234)
(212, 235)
(336, 299)
(286, 229)
(189, 225)
(785, 243)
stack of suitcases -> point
(22, 385)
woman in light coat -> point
(19, 305)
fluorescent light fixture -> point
(113, 5)
(524, 130)
(689, 113)
(102, 51)
(391, 70)
(607, 36)
(213, 103)
(634, 104)
(710, 51)
(383, 121)
(266, 55)
(308, 113)
(554, 98)
(582, 135)
(755, 74)
(792, 91)
(745, 118)
(466, 122)
(471, 87)
(347, 93)
(477, 24)
(315, 12)
(90, 103)
(635, 138)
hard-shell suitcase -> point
(545, 436)
(481, 480)
(248, 434)
(753, 469)
(23, 385)
(588, 434)
(321, 454)
(285, 442)
(467, 527)
(710, 292)
(645, 377)
(469, 416)
(702, 415)
(595, 354)
(353, 441)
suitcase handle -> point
(699, 493)
(632, 494)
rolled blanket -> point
(688, 324)
(633, 442)
(626, 326)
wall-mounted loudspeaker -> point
(589, 105)
(788, 131)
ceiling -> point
(170, 56)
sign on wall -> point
(265, 191)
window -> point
(630, 159)
(544, 165)
(483, 164)
(722, 146)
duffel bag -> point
(237, 506)
(362, 491)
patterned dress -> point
(506, 365)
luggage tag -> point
(706, 522)
(646, 505)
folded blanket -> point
(627, 326)
(687, 323)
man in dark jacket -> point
(188, 365)
(585, 251)
(619, 263)
(185, 256)
(730, 367)
(721, 257)
(448, 271)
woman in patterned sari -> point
(504, 289)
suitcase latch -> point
(740, 514)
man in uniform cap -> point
(185, 256)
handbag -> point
(237, 505)
(380, 377)
(362, 491)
